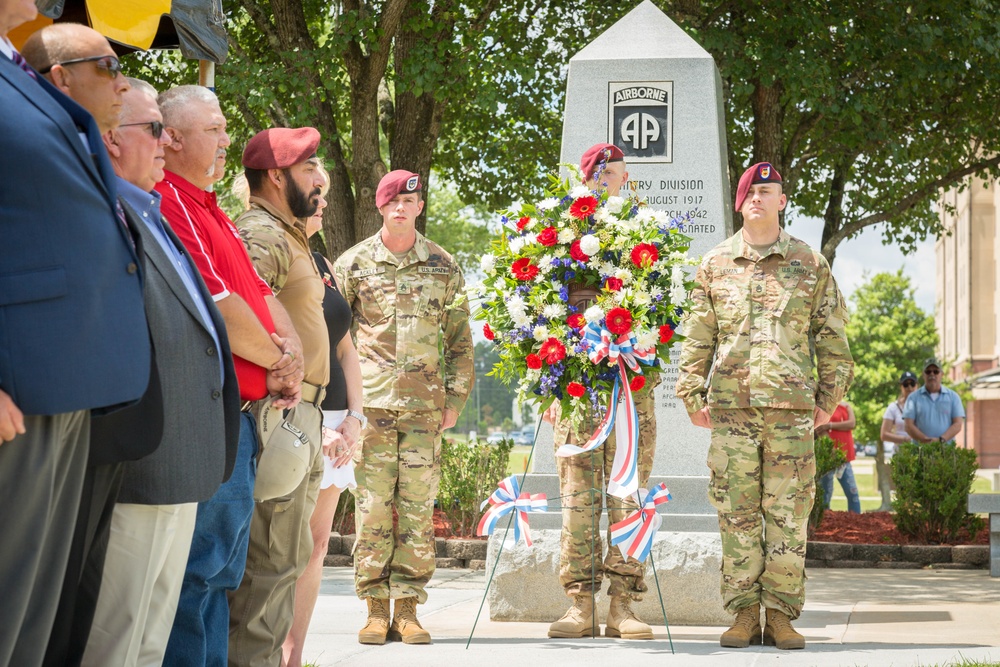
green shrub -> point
(470, 472)
(933, 481)
(828, 458)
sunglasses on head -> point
(155, 127)
(107, 64)
(910, 383)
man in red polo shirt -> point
(267, 355)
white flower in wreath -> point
(540, 333)
(566, 236)
(554, 311)
(623, 275)
(530, 239)
(641, 298)
(593, 314)
(590, 244)
(604, 216)
(580, 191)
(614, 203)
(487, 263)
(547, 204)
(646, 339)
(677, 291)
(516, 244)
(521, 320)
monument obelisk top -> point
(645, 32)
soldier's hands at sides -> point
(289, 368)
(701, 418)
(448, 419)
(11, 419)
(820, 418)
(551, 413)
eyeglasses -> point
(909, 383)
(155, 127)
(932, 372)
(106, 64)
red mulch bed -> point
(442, 527)
(872, 528)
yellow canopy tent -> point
(197, 27)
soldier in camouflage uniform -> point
(285, 181)
(768, 317)
(582, 480)
(411, 329)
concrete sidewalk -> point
(852, 618)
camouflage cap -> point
(286, 455)
(932, 361)
(762, 172)
(280, 147)
(599, 153)
(394, 183)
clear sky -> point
(866, 253)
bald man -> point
(74, 332)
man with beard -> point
(285, 182)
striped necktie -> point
(23, 64)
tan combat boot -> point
(378, 622)
(622, 621)
(778, 631)
(405, 626)
(745, 629)
(578, 622)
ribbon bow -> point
(506, 499)
(634, 536)
(622, 351)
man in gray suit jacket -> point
(152, 524)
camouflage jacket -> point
(280, 252)
(765, 331)
(411, 325)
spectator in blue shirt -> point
(933, 412)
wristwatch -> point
(359, 416)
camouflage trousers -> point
(763, 472)
(397, 469)
(582, 481)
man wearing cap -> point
(582, 480)
(933, 413)
(763, 304)
(411, 328)
(285, 181)
(267, 356)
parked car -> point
(496, 438)
(870, 449)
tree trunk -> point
(884, 478)
(768, 136)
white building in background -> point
(967, 308)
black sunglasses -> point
(931, 372)
(909, 383)
(155, 127)
(108, 64)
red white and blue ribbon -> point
(622, 351)
(634, 536)
(506, 499)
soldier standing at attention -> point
(603, 165)
(763, 304)
(411, 329)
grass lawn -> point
(864, 475)
(518, 459)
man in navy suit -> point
(73, 334)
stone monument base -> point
(525, 586)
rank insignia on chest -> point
(403, 288)
(796, 262)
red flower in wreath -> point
(488, 332)
(575, 389)
(618, 321)
(548, 236)
(666, 333)
(637, 383)
(613, 284)
(576, 321)
(523, 222)
(644, 254)
(533, 361)
(583, 207)
(552, 351)
(576, 253)
(523, 269)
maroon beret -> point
(762, 172)
(394, 183)
(598, 153)
(280, 147)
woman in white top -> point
(893, 430)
